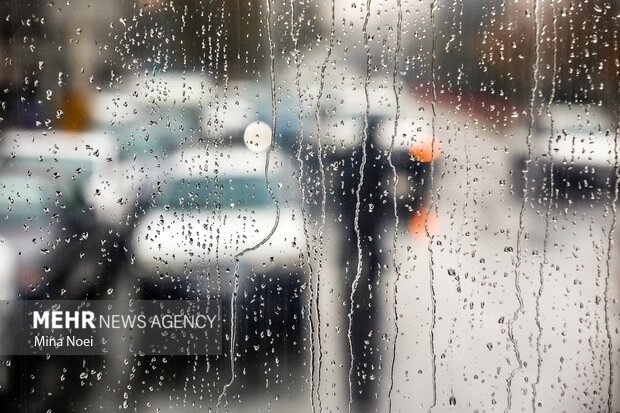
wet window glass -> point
(249, 206)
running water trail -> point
(462, 234)
(428, 212)
(610, 236)
(541, 279)
(608, 274)
(358, 273)
(323, 192)
(219, 217)
(518, 293)
(300, 175)
(238, 256)
(219, 141)
(396, 91)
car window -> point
(23, 203)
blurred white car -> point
(153, 96)
(212, 205)
(210, 209)
(582, 149)
(147, 120)
(78, 159)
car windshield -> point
(23, 201)
(225, 193)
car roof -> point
(576, 118)
(172, 88)
(569, 113)
(152, 92)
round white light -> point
(257, 136)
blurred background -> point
(403, 205)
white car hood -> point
(170, 241)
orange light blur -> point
(422, 147)
(417, 220)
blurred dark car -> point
(30, 227)
(49, 250)
(46, 214)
